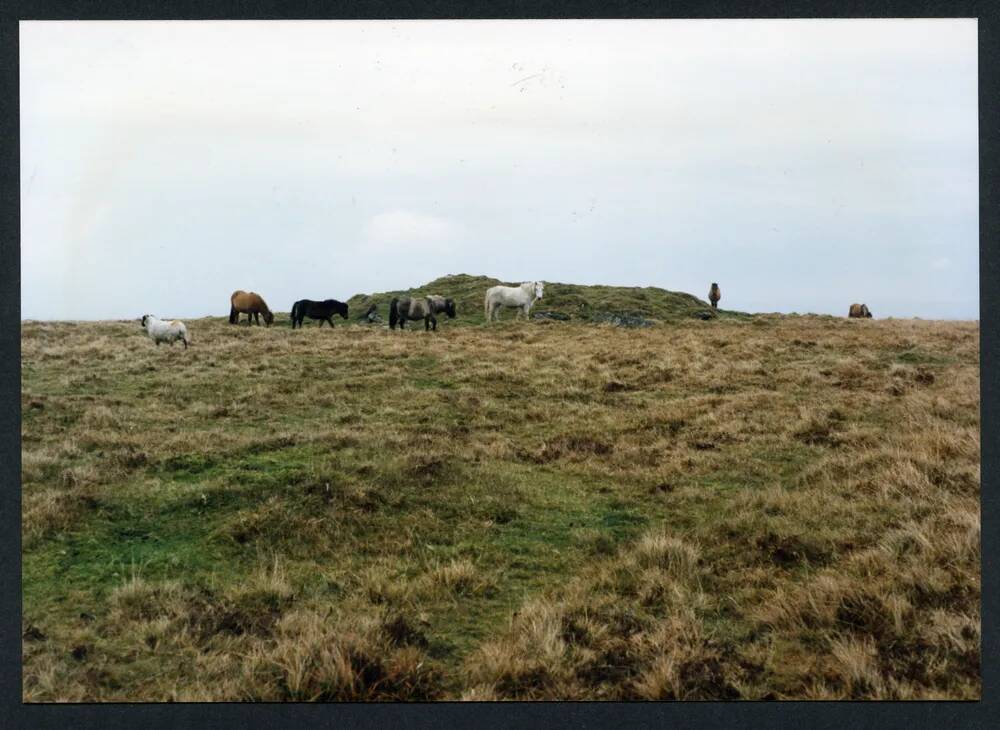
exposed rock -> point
(551, 315)
(371, 315)
(622, 319)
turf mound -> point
(633, 306)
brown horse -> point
(714, 295)
(858, 311)
(252, 304)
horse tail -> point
(233, 314)
(393, 313)
(486, 305)
(295, 310)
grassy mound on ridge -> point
(576, 301)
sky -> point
(801, 164)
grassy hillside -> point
(576, 301)
(736, 508)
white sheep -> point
(163, 331)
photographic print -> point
(480, 360)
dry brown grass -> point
(767, 508)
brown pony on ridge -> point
(714, 295)
(858, 311)
(252, 304)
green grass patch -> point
(917, 356)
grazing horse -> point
(404, 308)
(168, 331)
(252, 304)
(858, 311)
(520, 297)
(323, 311)
(714, 295)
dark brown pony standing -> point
(858, 311)
(251, 304)
(714, 295)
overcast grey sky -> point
(802, 164)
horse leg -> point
(330, 320)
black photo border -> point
(790, 714)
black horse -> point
(417, 308)
(323, 311)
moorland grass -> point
(766, 507)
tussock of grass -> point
(459, 577)
(315, 659)
(776, 507)
(669, 554)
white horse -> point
(160, 330)
(521, 297)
